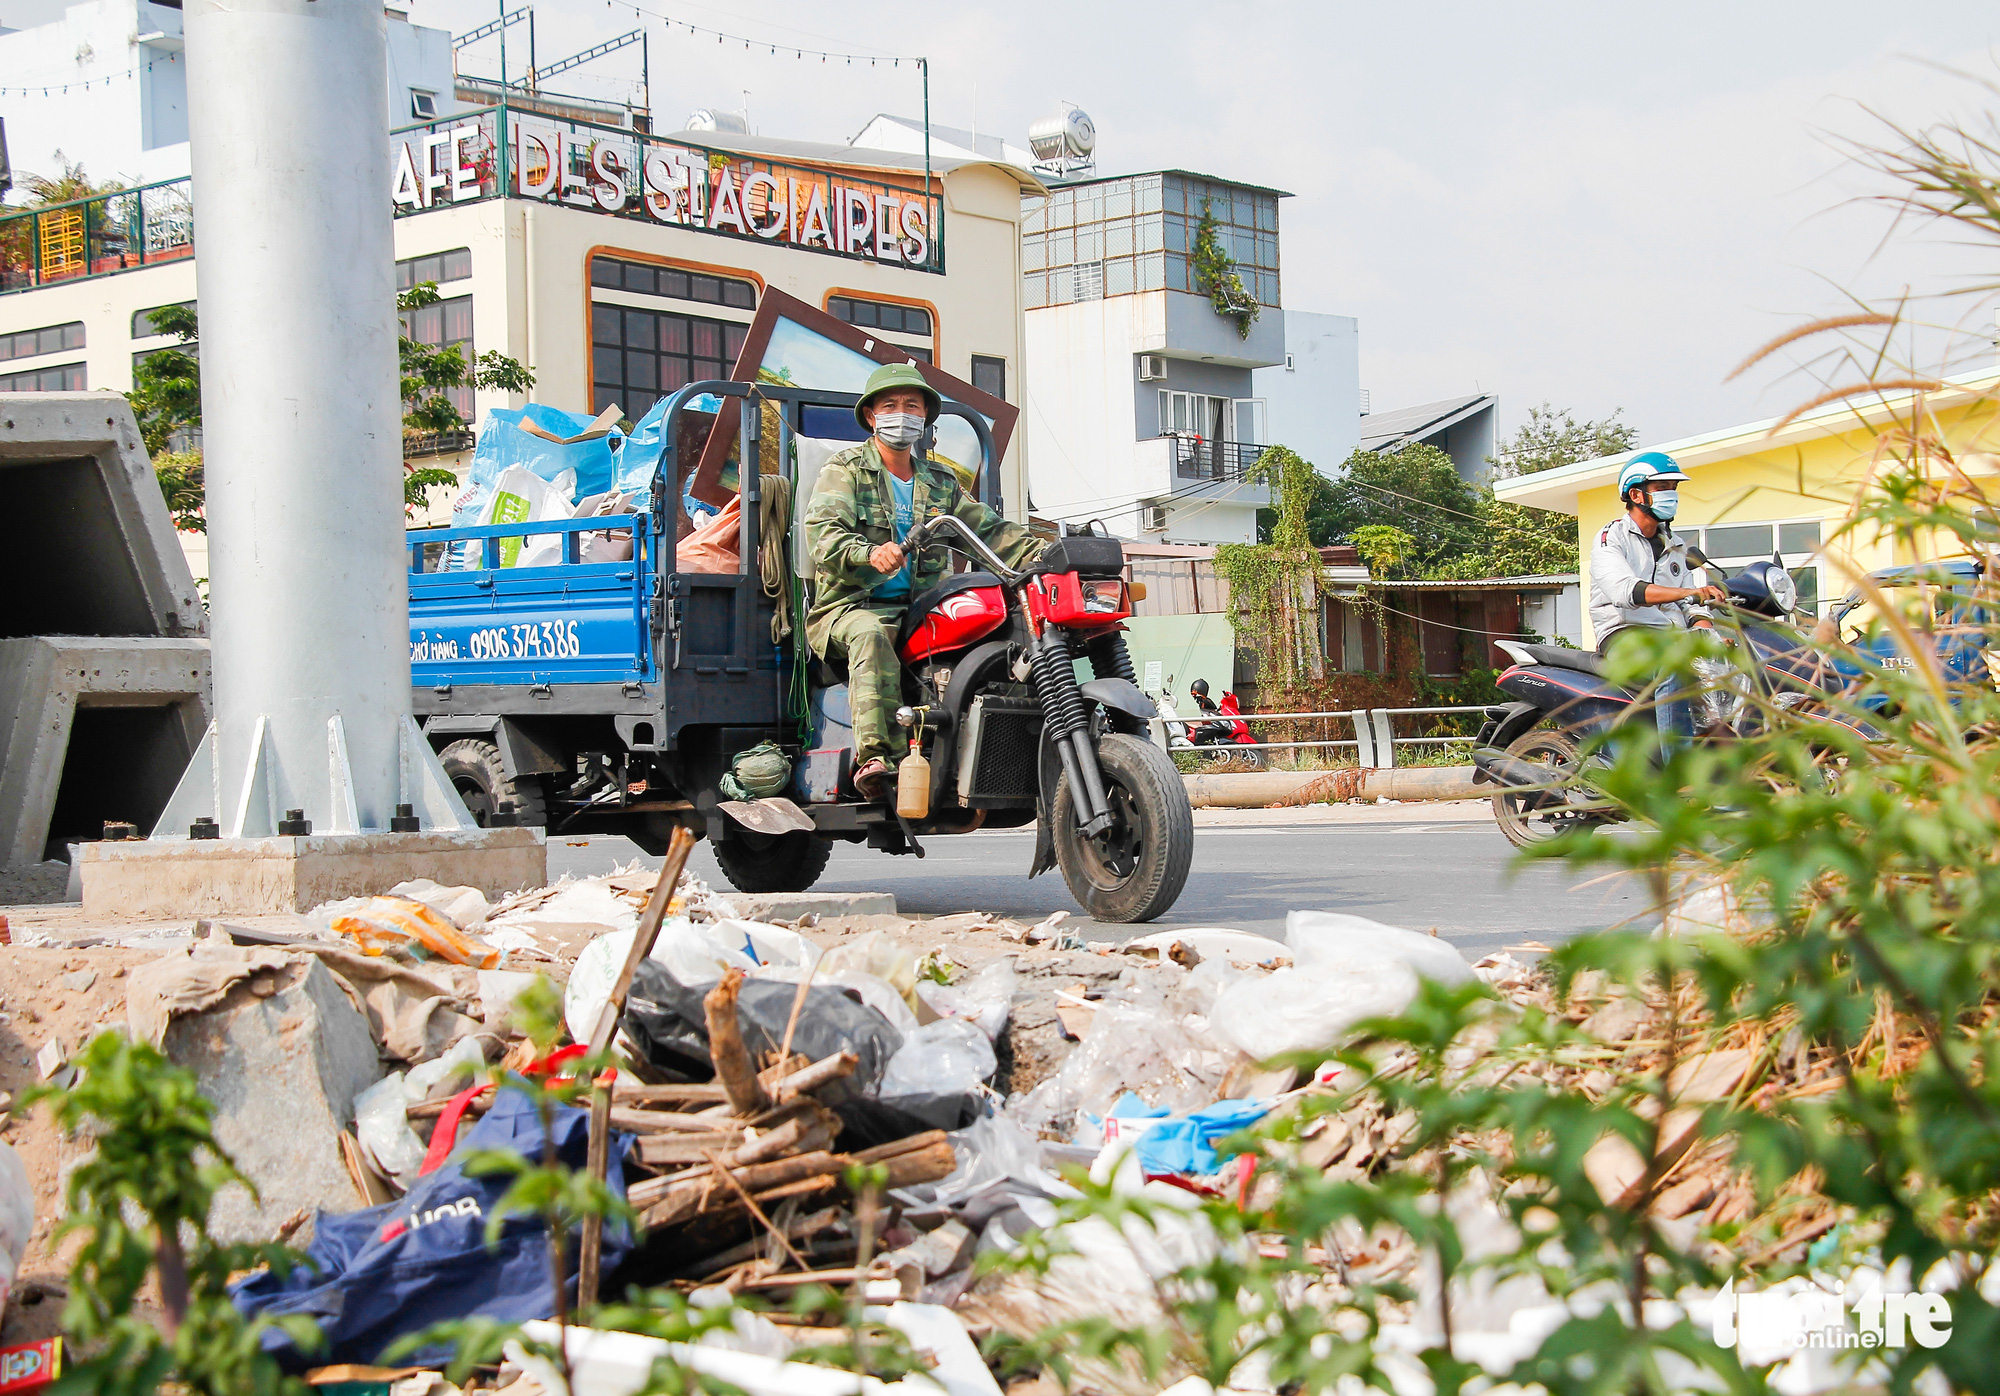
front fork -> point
(1066, 719)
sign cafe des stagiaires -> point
(629, 174)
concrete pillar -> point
(302, 427)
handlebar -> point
(975, 546)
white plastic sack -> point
(876, 954)
(522, 496)
(462, 1066)
(948, 1057)
(17, 1216)
(984, 1000)
(384, 1132)
(465, 907)
(692, 954)
(773, 946)
(591, 901)
(1334, 937)
(1345, 969)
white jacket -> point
(1623, 563)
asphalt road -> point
(1451, 871)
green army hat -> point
(898, 376)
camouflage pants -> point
(864, 639)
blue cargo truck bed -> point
(494, 627)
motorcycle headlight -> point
(1784, 591)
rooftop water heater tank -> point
(1067, 137)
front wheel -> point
(787, 862)
(1136, 870)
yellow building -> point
(1760, 489)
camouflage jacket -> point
(853, 512)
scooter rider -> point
(1640, 575)
(864, 503)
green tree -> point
(70, 185)
(166, 398)
(1525, 541)
(430, 371)
(1417, 490)
(1552, 437)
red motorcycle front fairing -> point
(956, 622)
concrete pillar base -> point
(245, 877)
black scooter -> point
(1532, 749)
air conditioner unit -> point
(1152, 368)
(1156, 518)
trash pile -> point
(869, 1103)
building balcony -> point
(1198, 458)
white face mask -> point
(1664, 504)
(899, 430)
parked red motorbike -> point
(1226, 744)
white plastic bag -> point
(945, 1058)
(1345, 969)
(384, 1132)
(17, 1216)
(984, 1000)
(880, 956)
(692, 954)
(462, 1066)
(522, 496)
(1333, 937)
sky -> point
(1601, 206)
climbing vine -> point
(1215, 273)
(1274, 588)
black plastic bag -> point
(664, 1018)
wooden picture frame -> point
(776, 307)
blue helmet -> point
(1645, 468)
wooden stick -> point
(678, 849)
(661, 1150)
(626, 1092)
(798, 1002)
(800, 1228)
(715, 1162)
(733, 1066)
(820, 1073)
(674, 1198)
(590, 1260)
(881, 1153)
(926, 1165)
(667, 1121)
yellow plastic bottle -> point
(913, 785)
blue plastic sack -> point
(502, 443)
(372, 1276)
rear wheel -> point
(481, 779)
(1556, 752)
(1136, 871)
(787, 862)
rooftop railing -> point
(105, 233)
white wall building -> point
(1140, 408)
(107, 89)
(1313, 399)
(617, 265)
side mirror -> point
(1698, 557)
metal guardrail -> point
(1374, 742)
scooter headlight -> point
(1784, 591)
